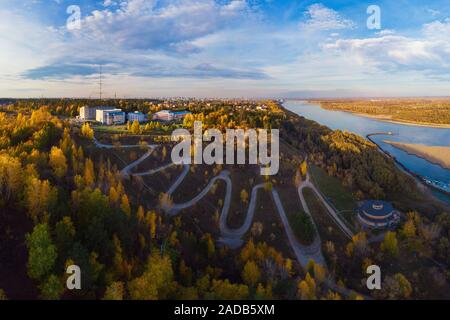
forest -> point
(63, 203)
(421, 110)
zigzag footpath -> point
(233, 237)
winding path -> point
(233, 237)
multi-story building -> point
(87, 113)
(137, 115)
(90, 113)
(110, 116)
(180, 114)
(167, 115)
(163, 115)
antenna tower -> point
(101, 83)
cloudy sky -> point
(223, 48)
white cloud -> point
(428, 52)
(320, 18)
(433, 12)
(172, 27)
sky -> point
(224, 48)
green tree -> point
(41, 252)
(52, 288)
(65, 234)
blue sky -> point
(224, 48)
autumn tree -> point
(113, 196)
(396, 287)
(10, 177)
(409, 229)
(115, 291)
(156, 281)
(307, 288)
(223, 289)
(304, 168)
(359, 245)
(119, 263)
(40, 196)
(135, 128)
(87, 131)
(58, 162)
(125, 205)
(151, 222)
(140, 214)
(263, 293)
(208, 242)
(244, 196)
(390, 244)
(89, 174)
(251, 273)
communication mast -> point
(101, 83)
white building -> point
(110, 116)
(167, 115)
(164, 115)
(87, 113)
(90, 113)
(137, 115)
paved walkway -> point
(303, 253)
(333, 214)
(233, 237)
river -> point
(339, 120)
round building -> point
(377, 214)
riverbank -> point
(435, 185)
(386, 118)
(435, 154)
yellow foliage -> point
(58, 162)
(251, 273)
(125, 205)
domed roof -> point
(377, 208)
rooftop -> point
(376, 208)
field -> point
(332, 188)
(327, 228)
